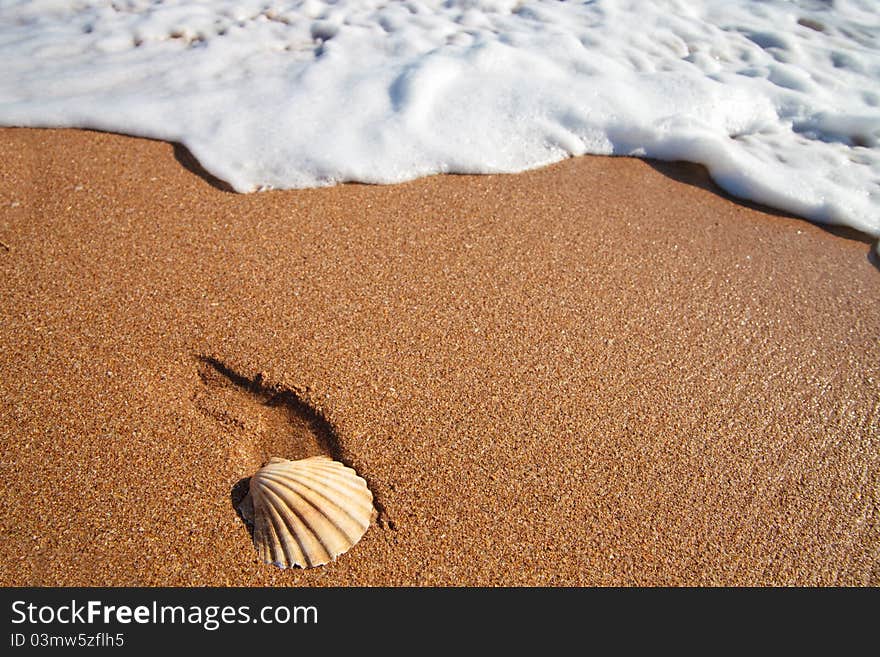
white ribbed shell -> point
(306, 513)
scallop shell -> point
(306, 513)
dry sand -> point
(602, 372)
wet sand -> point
(599, 373)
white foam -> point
(780, 100)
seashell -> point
(306, 513)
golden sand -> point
(601, 372)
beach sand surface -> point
(603, 372)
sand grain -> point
(596, 373)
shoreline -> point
(597, 373)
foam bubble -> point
(779, 100)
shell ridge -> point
(308, 512)
(338, 515)
(268, 503)
(289, 539)
(360, 496)
(307, 528)
(269, 531)
(304, 552)
(327, 487)
(259, 532)
(325, 465)
(355, 491)
(321, 461)
(333, 469)
(277, 547)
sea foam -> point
(779, 100)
